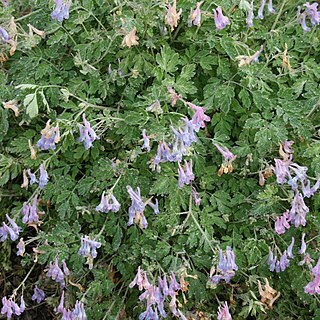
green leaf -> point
(223, 97)
(31, 103)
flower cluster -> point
(4, 36)
(311, 12)
(88, 249)
(30, 213)
(87, 134)
(172, 15)
(224, 313)
(10, 307)
(56, 273)
(108, 203)
(228, 158)
(195, 16)
(62, 10)
(43, 178)
(283, 263)
(38, 294)
(220, 20)
(49, 137)
(226, 267)
(268, 294)
(314, 285)
(185, 173)
(78, 312)
(11, 231)
(155, 296)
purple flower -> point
(60, 307)
(287, 146)
(4, 36)
(250, 16)
(155, 107)
(220, 20)
(174, 96)
(314, 285)
(154, 206)
(108, 202)
(289, 250)
(301, 17)
(30, 213)
(38, 294)
(284, 261)
(136, 209)
(312, 12)
(282, 223)
(223, 312)
(185, 174)
(195, 16)
(261, 8)
(87, 134)
(282, 170)
(199, 116)
(11, 231)
(32, 177)
(62, 10)
(298, 211)
(88, 249)
(306, 190)
(55, 273)
(79, 312)
(271, 260)
(303, 245)
(21, 248)
(146, 141)
(141, 280)
(49, 137)
(196, 198)
(43, 180)
(270, 8)
(10, 307)
(226, 153)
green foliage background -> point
(253, 109)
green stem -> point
(14, 292)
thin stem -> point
(279, 14)
(14, 292)
(27, 15)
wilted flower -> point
(62, 10)
(33, 153)
(261, 8)
(289, 249)
(87, 134)
(49, 137)
(32, 30)
(185, 174)
(246, 60)
(146, 141)
(13, 105)
(25, 182)
(38, 294)
(21, 248)
(155, 108)
(11, 231)
(250, 16)
(88, 249)
(108, 202)
(172, 15)
(174, 96)
(220, 20)
(229, 157)
(268, 295)
(195, 16)
(223, 312)
(131, 39)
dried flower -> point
(13, 105)
(268, 295)
(131, 39)
(155, 108)
(33, 153)
(32, 30)
(174, 96)
(246, 60)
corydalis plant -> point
(108, 203)
(56, 273)
(228, 158)
(195, 16)
(88, 249)
(61, 11)
(220, 20)
(30, 213)
(11, 231)
(172, 16)
(49, 137)
(10, 307)
(87, 134)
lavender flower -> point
(172, 15)
(312, 12)
(226, 267)
(220, 20)
(185, 174)
(226, 153)
(56, 273)
(199, 116)
(32, 177)
(62, 10)
(155, 107)
(223, 312)
(146, 141)
(195, 16)
(43, 180)
(283, 263)
(287, 146)
(154, 206)
(11, 231)
(314, 285)
(108, 202)
(49, 137)
(38, 294)
(282, 170)
(174, 96)
(250, 16)
(301, 17)
(298, 211)
(30, 213)
(136, 209)
(79, 312)
(196, 198)
(10, 307)
(60, 307)
(303, 245)
(306, 190)
(282, 223)
(87, 134)
(4, 36)
(261, 8)
(289, 250)
(270, 8)
(21, 248)
(88, 249)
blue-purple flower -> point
(136, 209)
(30, 213)
(199, 116)
(146, 141)
(62, 10)
(314, 285)
(282, 223)
(108, 203)
(43, 179)
(87, 134)
(220, 20)
(10, 307)
(195, 16)
(270, 7)
(4, 36)
(250, 16)
(38, 294)
(298, 210)
(56, 273)
(261, 9)
(88, 249)
(223, 312)
(21, 248)
(11, 231)
(185, 173)
(49, 137)
(301, 17)
(303, 247)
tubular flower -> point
(30, 213)
(279, 265)
(56, 274)
(223, 312)
(246, 60)
(314, 285)
(87, 134)
(270, 8)
(10, 307)
(303, 245)
(21, 248)
(250, 16)
(62, 10)
(229, 157)
(199, 116)
(196, 198)
(131, 39)
(172, 15)
(88, 249)
(49, 137)
(282, 223)
(11, 231)
(301, 17)
(185, 174)
(136, 209)
(298, 211)
(108, 202)
(261, 8)
(43, 179)
(38, 294)
(195, 16)
(146, 141)
(312, 12)
(220, 20)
